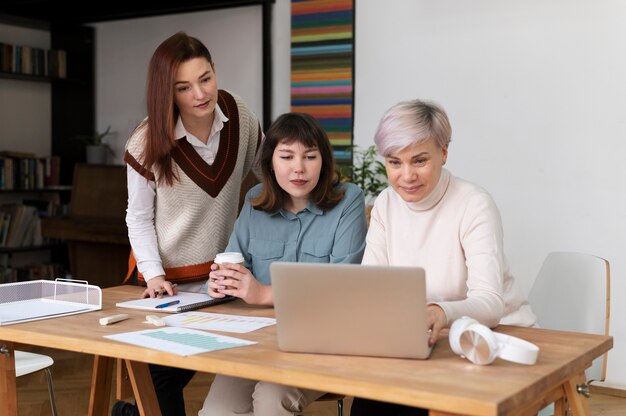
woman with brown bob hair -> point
(301, 128)
(300, 212)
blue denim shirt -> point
(311, 235)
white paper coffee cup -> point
(228, 257)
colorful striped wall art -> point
(322, 68)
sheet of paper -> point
(218, 322)
(180, 341)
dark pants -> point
(365, 407)
(168, 384)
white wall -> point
(124, 48)
(535, 92)
(281, 58)
(25, 106)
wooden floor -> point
(71, 374)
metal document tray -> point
(43, 299)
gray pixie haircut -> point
(410, 122)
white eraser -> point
(155, 320)
(113, 319)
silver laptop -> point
(350, 309)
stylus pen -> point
(165, 305)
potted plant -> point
(96, 149)
(368, 173)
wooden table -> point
(445, 383)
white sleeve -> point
(140, 223)
(482, 242)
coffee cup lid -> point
(229, 257)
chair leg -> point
(340, 407)
(53, 404)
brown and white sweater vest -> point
(195, 216)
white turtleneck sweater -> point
(455, 234)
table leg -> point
(560, 408)
(145, 396)
(8, 389)
(123, 388)
(578, 404)
(101, 380)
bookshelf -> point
(24, 253)
(61, 106)
(62, 109)
(31, 62)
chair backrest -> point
(572, 293)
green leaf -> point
(367, 172)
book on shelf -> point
(46, 207)
(26, 61)
(25, 171)
(20, 224)
(30, 60)
(24, 226)
(12, 215)
(5, 221)
(6, 57)
(57, 63)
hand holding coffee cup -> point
(228, 257)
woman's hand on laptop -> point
(237, 280)
(436, 320)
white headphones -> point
(480, 345)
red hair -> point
(162, 112)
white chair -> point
(572, 293)
(28, 362)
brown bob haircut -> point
(301, 128)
